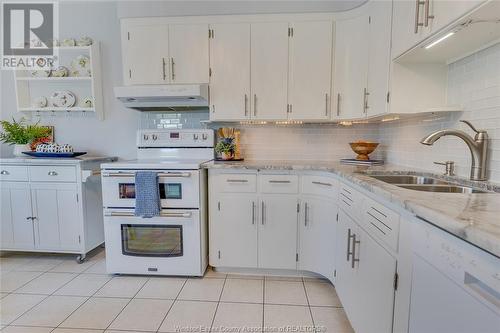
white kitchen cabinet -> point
(55, 207)
(351, 67)
(146, 54)
(310, 68)
(188, 46)
(230, 71)
(317, 228)
(234, 228)
(269, 70)
(16, 216)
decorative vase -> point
(19, 148)
(227, 156)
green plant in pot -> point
(225, 148)
(21, 134)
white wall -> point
(474, 83)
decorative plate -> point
(61, 71)
(80, 66)
(68, 42)
(41, 73)
(84, 41)
(63, 99)
(57, 155)
(88, 102)
(39, 102)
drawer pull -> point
(52, 173)
(349, 236)
(160, 174)
(345, 196)
(348, 204)
(378, 211)
(373, 224)
(380, 221)
(354, 242)
(321, 183)
(280, 181)
(4, 172)
(237, 181)
(345, 190)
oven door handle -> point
(160, 174)
(162, 214)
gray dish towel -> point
(147, 194)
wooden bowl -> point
(363, 149)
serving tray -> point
(56, 155)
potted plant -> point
(225, 148)
(21, 135)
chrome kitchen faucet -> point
(478, 147)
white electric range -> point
(174, 243)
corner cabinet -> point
(51, 207)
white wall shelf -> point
(29, 88)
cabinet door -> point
(317, 229)
(379, 57)
(16, 224)
(445, 12)
(278, 231)
(351, 67)
(269, 70)
(405, 30)
(235, 226)
(145, 54)
(374, 286)
(57, 224)
(188, 44)
(230, 66)
(310, 70)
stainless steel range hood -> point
(164, 97)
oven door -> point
(169, 244)
(178, 189)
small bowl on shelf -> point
(363, 149)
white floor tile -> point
(10, 281)
(46, 283)
(71, 266)
(210, 273)
(113, 331)
(41, 264)
(162, 288)
(2, 295)
(202, 289)
(13, 262)
(13, 306)
(284, 278)
(278, 317)
(26, 329)
(285, 292)
(238, 315)
(78, 330)
(51, 311)
(122, 286)
(142, 315)
(83, 285)
(331, 320)
(322, 294)
(239, 290)
(186, 314)
(245, 276)
(96, 313)
(99, 267)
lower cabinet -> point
(317, 228)
(365, 280)
(56, 216)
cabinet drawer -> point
(350, 200)
(237, 182)
(279, 183)
(52, 173)
(381, 222)
(13, 173)
(318, 185)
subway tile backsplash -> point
(173, 120)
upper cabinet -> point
(230, 71)
(165, 53)
(269, 70)
(310, 68)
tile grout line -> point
(172, 305)
(217, 307)
(308, 304)
(263, 303)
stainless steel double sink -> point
(427, 184)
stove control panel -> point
(175, 138)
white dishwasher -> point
(455, 285)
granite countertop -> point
(72, 160)
(471, 217)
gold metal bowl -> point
(363, 149)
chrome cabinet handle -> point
(338, 104)
(52, 173)
(321, 183)
(263, 212)
(172, 72)
(237, 181)
(326, 104)
(306, 214)
(4, 172)
(418, 3)
(254, 104)
(349, 236)
(160, 174)
(162, 214)
(354, 242)
(365, 100)
(253, 212)
(163, 68)
(280, 181)
(427, 16)
(246, 105)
